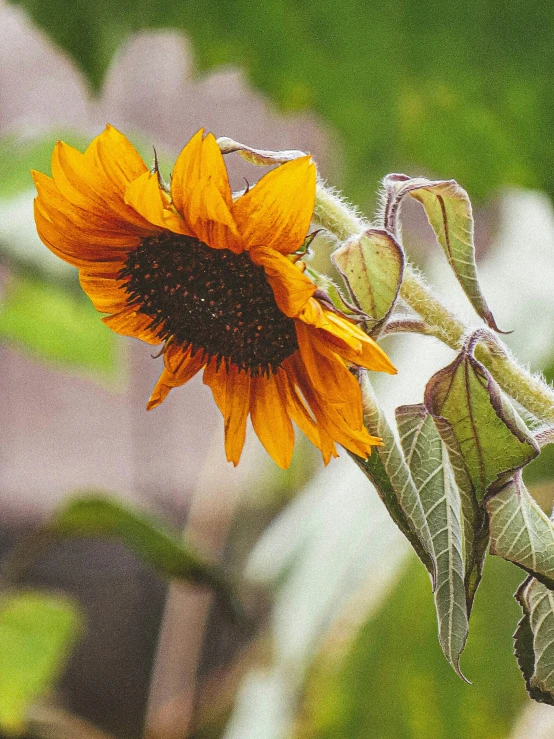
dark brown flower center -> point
(210, 299)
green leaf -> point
(388, 471)
(372, 266)
(37, 632)
(520, 531)
(428, 459)
(534, 639)
(53, 323)
(492, 438)
(474, 520)
(99, 515)
(449, 212)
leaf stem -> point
(531, 391)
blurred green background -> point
(348, 649)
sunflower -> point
(215, 280)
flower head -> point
(212, 278)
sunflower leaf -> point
(429, 462)
(388, 471)
(493, 439)
(37, 632)
(534, 639)
(98, 515)
(372, 266)
(520, 531)
(474, 520)
(449, 212)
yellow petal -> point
(291, 287)
(147, 198)
(270, 419)
(277, 211)
(210, 219)
(201, 192)
(118, 158)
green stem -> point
(531, 391)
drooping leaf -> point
(436, 486)
(37, 632)
(388, 471)
(372, 265)
(171, 556)
(449, 212)
(56, 324)
(520, 531)
(493, 439)
(534, 639)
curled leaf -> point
(260, 157)
(372, 265)
(450, 215)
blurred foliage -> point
(55, 324)
(170, 555)
(461, 88)
(394, 682)
(37, 632)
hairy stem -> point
(531, 391)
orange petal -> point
(277, 211)
(74, 251)
(129, 322)
(345, 338)
(299, 413)
(331, 415)
(79, 181)
(107, 154)
(200, 161)
(181, 366)
(291, 287)
(107, 295)
(270, 419)
(327, 372)
(231, 391)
